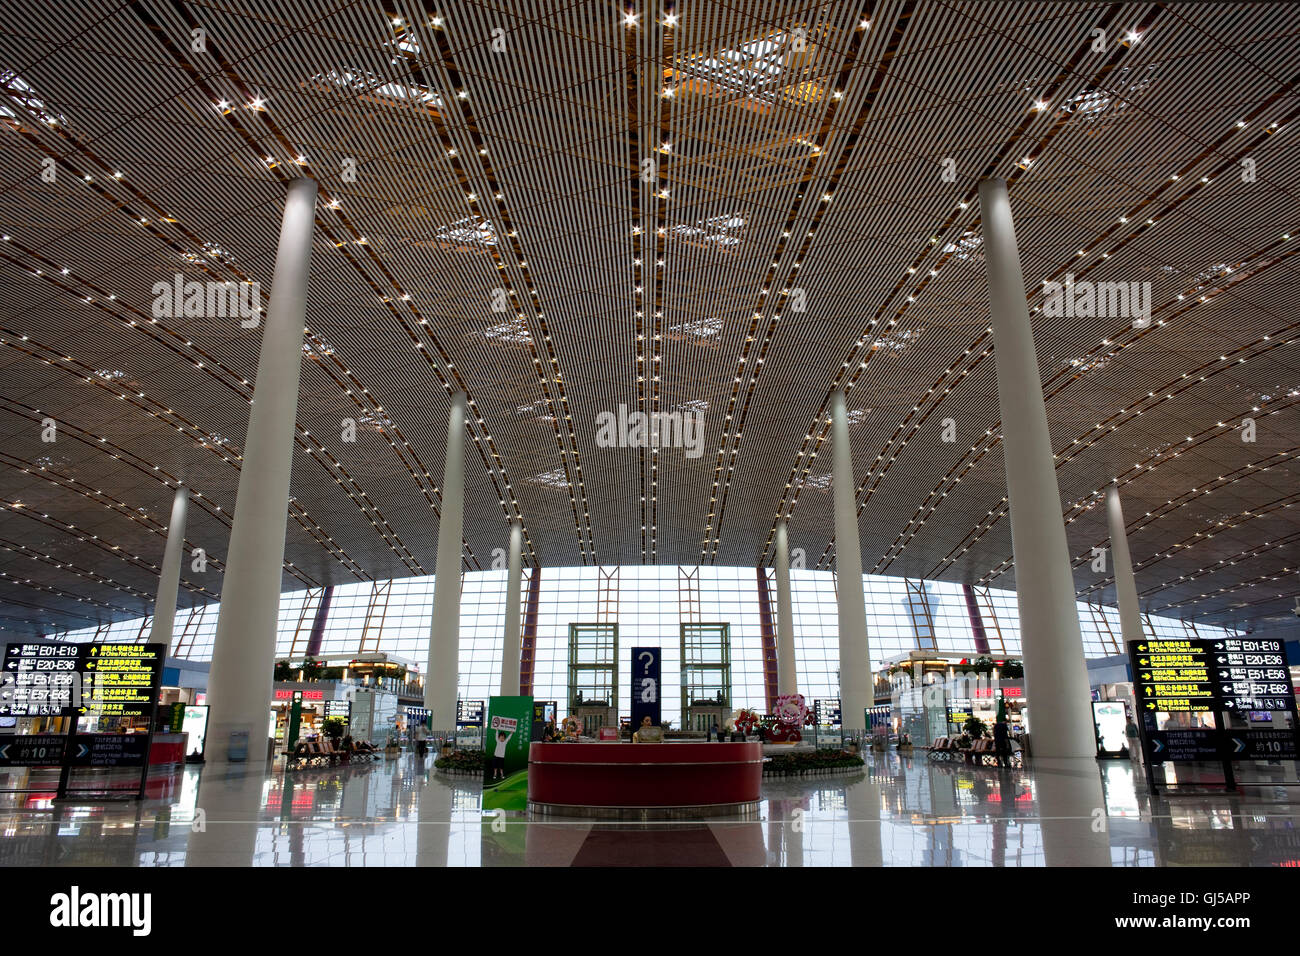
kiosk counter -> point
(622, 779)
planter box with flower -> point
(815, 761)
(462, 761)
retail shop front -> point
(925, 695)
(306, 710)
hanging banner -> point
(507, 737)
(647, 687)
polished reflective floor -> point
(900, 811)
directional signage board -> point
(1262, 745)
(1199, 743)
(35, 750)
(40, 680)
(826, 710)
(64, 680)
(342, 709)
(1253, 674)
(469, 713)
(109, 750)
(1173, 676)
(1192, 681)
(122, 679)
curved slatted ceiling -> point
(728, 209)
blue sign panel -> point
(647, 688)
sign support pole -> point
(65, 768)
(148, 750)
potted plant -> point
(283, 671)
(333, 728)
(311, 669)
(975, 728)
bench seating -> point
(324, 752)
(980, 753)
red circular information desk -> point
(708, 777)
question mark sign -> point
(648, 658)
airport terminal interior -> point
(766, 434)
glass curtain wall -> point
(649, 603)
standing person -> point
(714, 732)
(421, 742)
(1002, 743)
(1134, 744)
(499, 756)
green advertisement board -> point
(506, 737)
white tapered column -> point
(169, 578)
(855, 686)
(239, 684)
(510, 645)
(1059, 710)
(1130, 615)
(787, 680)
(444, 632)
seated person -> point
(648, 733)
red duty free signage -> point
(306, 694)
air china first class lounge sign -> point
(1181, 686)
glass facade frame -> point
(649, 603)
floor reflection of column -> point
(862, 800)
(433, 820)
(943, 790)
(355, 803)
(1006, 813)
(290, 828)
(1072, 809)
(786, 820)
(227, 809)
